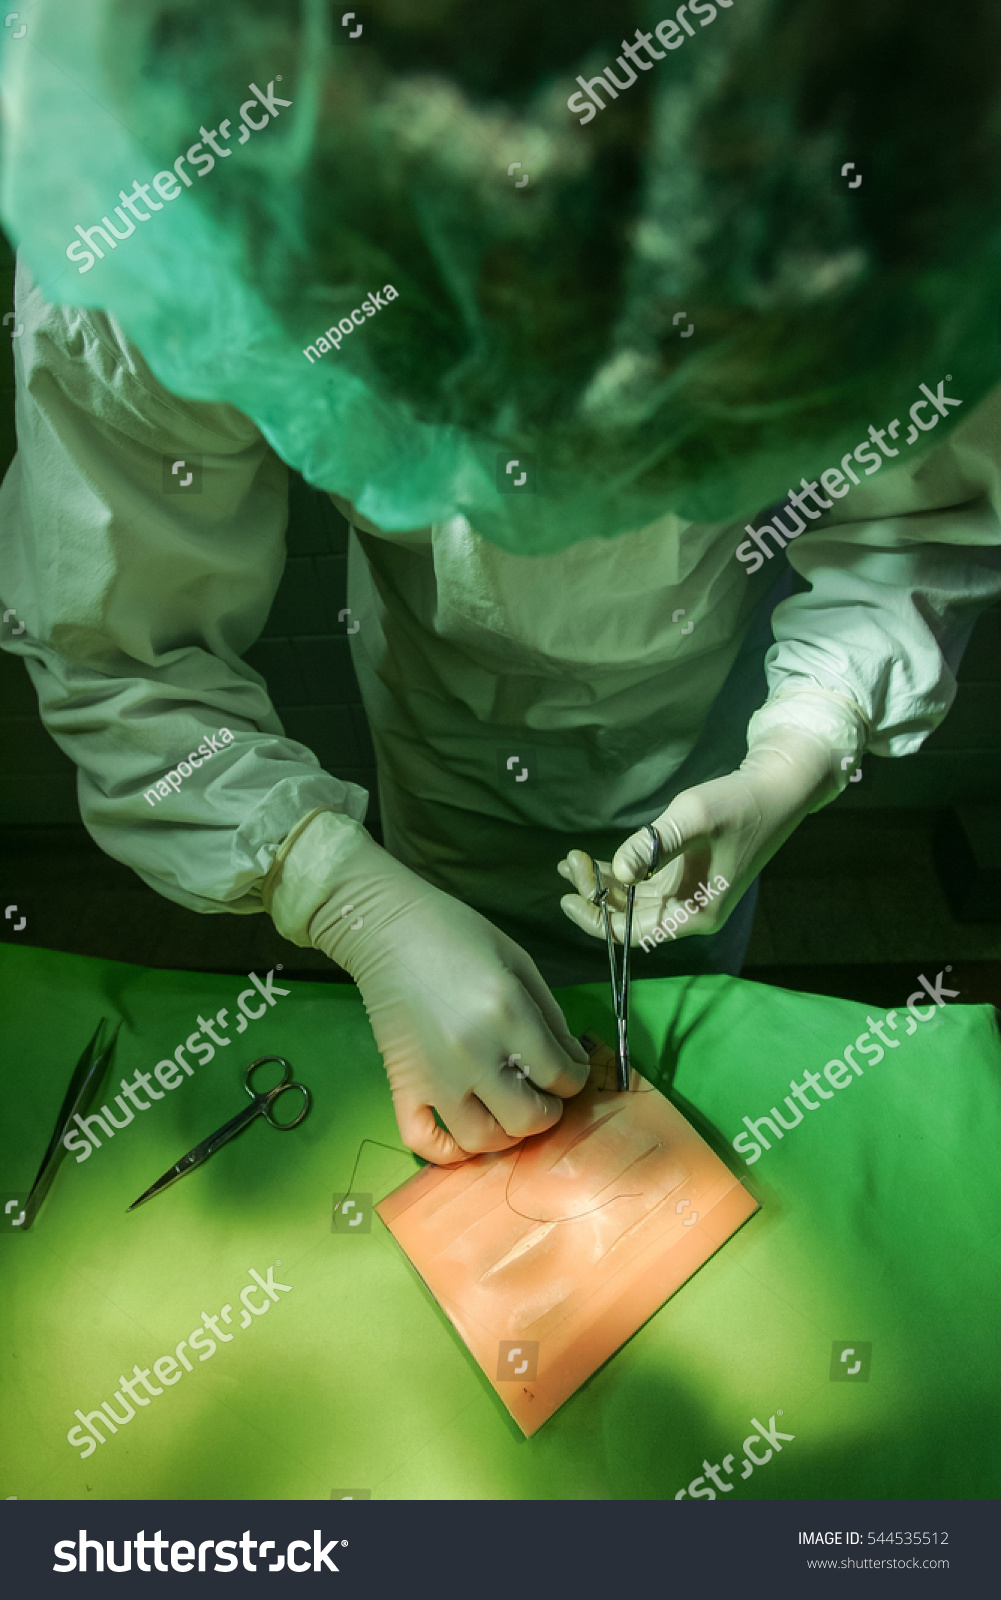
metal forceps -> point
(263, 1101)
(620, 987)
(88, 1075)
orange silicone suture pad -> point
(548, 1257)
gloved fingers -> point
(516, 1105)
(723, 811)
(561, 1070)
(578, 869)
(666, 883)
(649, 902)
(648, 913)
(543, 1047)
(680, 878)
(421, 1133)
(504, 1110)
(589, 919)
(476, 1129)
(631, 861)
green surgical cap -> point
(686, 307)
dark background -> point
(878, 887)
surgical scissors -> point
(263, 1100)
(620, 987)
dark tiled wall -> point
(304, 653)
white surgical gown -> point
(616, 672)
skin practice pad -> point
(548, 1257)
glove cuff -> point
(317, 855)
(832, 722)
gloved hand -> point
(716, 837)
(461, 1015)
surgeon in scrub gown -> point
(598, 626)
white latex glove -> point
(716, 837)
(461, 1014)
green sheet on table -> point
(879, 1225)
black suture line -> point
(580, 1215)
(396, 1149)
